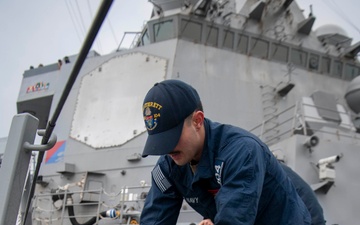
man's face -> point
(190, 143)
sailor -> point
(224, 172)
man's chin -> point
(178, 162)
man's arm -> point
(163, 203)
(242, 179)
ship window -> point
(325, 65)
(163, 30)
(242, 43)
(228, 39)
(145, 39)
(212, 35)
(279, 52)
(298, 57)
(191, 30)
(337, 69)
(259, 48)
(351, 72)
(314, 62)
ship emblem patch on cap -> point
(151, 114)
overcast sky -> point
(43, 31)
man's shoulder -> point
(230, 132)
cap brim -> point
(164, 142)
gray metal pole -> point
(15, 166)
(94, 29)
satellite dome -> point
(352, 95)
(330, 29)
(333, 35)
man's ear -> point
(198, 118)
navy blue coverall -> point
(237, 181)
(307, 195)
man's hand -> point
(206, 222)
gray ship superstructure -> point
(256, 64)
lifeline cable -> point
(94, 29)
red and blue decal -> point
(56, 153)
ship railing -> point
(52, 216)
(132, 195)
(296, 120)
(284, 127)
(56, 213)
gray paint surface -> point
(235, 88)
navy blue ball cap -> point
(166, 106)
